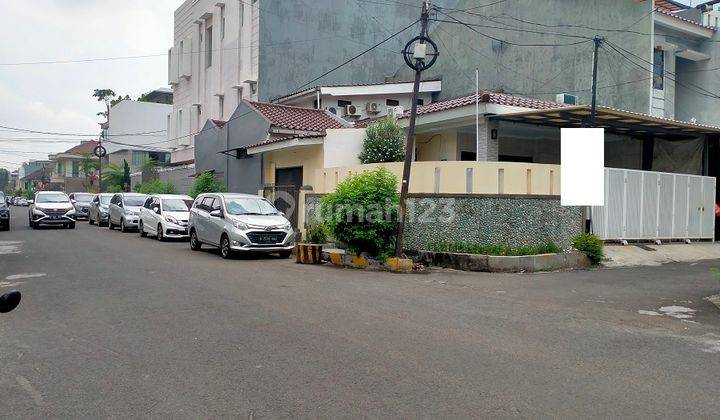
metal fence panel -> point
(665, 210)
(644, 205)
(650, 194)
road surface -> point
(112, 325)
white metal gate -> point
(644, 205)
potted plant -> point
(310, 252)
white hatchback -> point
(165, 216)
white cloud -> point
(57, 97)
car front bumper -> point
(53, 220)
(82, 213)
(239, 241)
(171, 230)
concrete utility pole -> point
(593, 108)
(415, 59)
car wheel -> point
(160, 236)
(195, 244)
(141, 230)
(111, 226)
(123, 229)
(71, 225)
(285, 254)
(225, 250)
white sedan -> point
(165, 216)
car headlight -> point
(286, 226)
(37, 212)
(70, 212)
(239, 225)
(171, 219)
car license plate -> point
(267, 239)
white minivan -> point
(165, 216)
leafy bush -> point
(384, 142)
(469, 248)
(316, 234)
(113, 189)
(363, 212)
(155, 186)
(205, 183)
(591, 245)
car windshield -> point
(52, 198)
(134, 201)
(83, 197)
(176, 204)
(252, 206)
(105, 199)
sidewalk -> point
(650, 254)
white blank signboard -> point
(582, 172)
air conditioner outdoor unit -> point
(372, 107)
(334, 110)
(351, 110)
(567, 99)
(395, 111)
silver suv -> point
(239, 222)
(51, 208)
(124, 211)
(81, 201)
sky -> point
(57, 97)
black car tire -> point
(141, 230)
(160, 236)
(195, 244)
(90, 220)
(225, 250)
(71, 225)
(285, 254)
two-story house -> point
(68, 172)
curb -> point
(504, 264)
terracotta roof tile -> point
(670, 5)
(487, 97)
(296, 118)
(85, 147)
(219, 123)
(676, 16)
(286, 138)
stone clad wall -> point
(511, 220)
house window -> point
(75, 169)
(180, 58)
(208, 46)
(60, 169)
(179, 123)
(221, 105)
(342, 103)
(138, 158)
(420, 102)
(392, 102)
(658, 69)
(242, 14)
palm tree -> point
(88, 165)
(113, 174)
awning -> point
(613, 120)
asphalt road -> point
(112, 325)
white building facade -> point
(148, 122)
(212, 67)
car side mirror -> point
(156, 210)
(9, 301)
(216, 213)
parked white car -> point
(239, 222)
(51, 208)
(124, 210)
(165, 216)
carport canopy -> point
(614, 120)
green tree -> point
(113, 175)
(384, 142)
(88, 165)
(205, 183)
(104, 95)
(4, 178)
(126, 174)
(362, 212)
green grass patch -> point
(470, 248)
